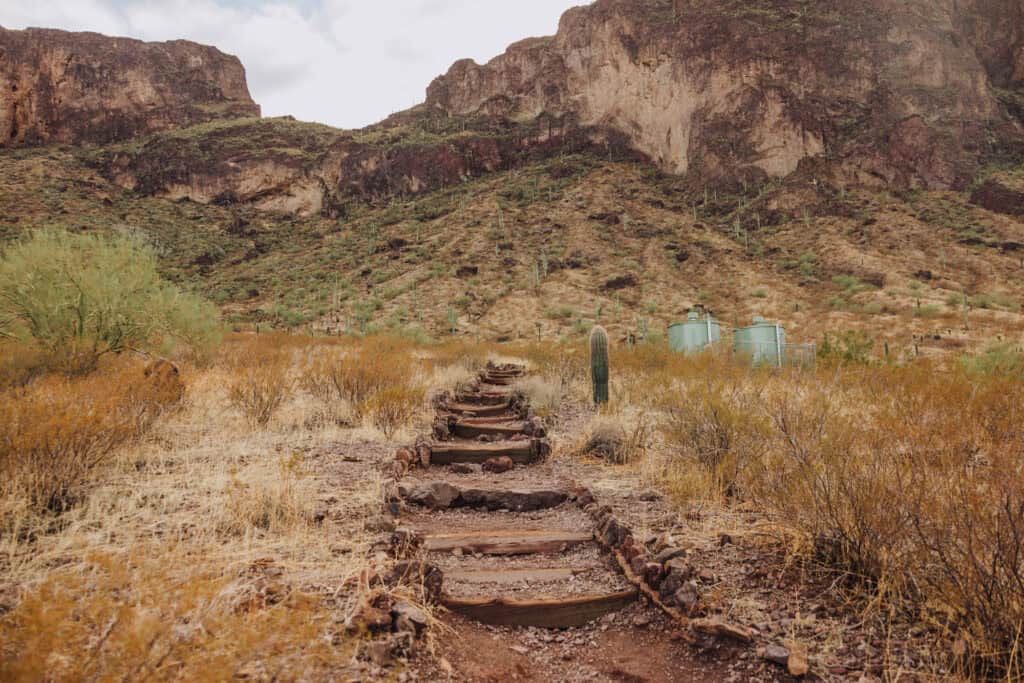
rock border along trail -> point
(506, 540)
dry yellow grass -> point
(906, 477)
(199, 551)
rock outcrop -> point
(80, 88)
(902, 92)
(287, 166)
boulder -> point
(687, 597)
(409, 618)
(436, 495)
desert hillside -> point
(878, 192)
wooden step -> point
(542, 574)
(469, 409)
(542, 612)
(494, 372)
(507, 542)
(488, 421)
(446, 453)
(482, 399)
(469, 430)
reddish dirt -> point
(614, 649)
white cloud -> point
(348, 63)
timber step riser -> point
(508, 543)
(555, 613)
(468, 410)
(474, 399)
(465, 431)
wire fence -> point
(784, 355)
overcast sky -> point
(347, 63)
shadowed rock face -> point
(879, 91)
(60, 87)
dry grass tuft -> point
(393, 407)
(274, 500)
(261, 381)
(56, 431)
(616, 439)
(544, 394)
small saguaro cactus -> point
(599, 364)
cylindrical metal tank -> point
(763, 341)
(694, 335)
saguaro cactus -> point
(599, 364)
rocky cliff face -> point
(278, 164)
(901, 92)
(79, 88)
(893, 93)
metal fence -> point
(784, 355)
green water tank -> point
(694, 335)
(764, 342)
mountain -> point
(875, 92)
(85, 88)
(835, 164)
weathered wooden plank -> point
(507, 542)
(515, 575)
(446, 453)
(468, 430)
(487, 421)
(469, 409)
(482, 398)
(540, 612)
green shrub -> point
(79, 297)
(852, 346)
(560, 313)
(872, 308)
(999, 360)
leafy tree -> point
(79, 297)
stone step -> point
(507, 541)
(446, 453)
(541, 611)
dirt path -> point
(533, 587)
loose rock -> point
(436, 495)
(498, 465)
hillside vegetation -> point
(550, 248)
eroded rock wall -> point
(61, 87)
(888, 91)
